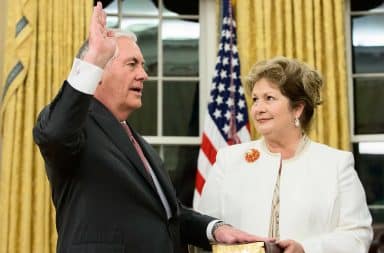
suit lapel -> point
(161, 174)
(112, 127)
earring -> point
(297, 122)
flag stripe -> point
(200, 181)
(203, 163)
(208, 149)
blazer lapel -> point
(112, 127)
(161, 174)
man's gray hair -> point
(118, 33)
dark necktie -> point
(137, 147)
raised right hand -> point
(102, 42)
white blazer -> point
(322, 201)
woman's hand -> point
(290, 246)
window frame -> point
(358, 138)
(207, 57)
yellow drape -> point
(42, 37)
(312, 31)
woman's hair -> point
(300, 83)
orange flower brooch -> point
(252, 155)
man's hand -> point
(102, 43)
(230, 235)
(291, 246)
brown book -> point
(256, 247)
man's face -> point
(124, 76)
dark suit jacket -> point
(105, 201)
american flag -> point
(226, 122)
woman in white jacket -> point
(305, 194)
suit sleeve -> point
(193, 227)
(59, 130)
(353, 232)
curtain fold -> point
(312, 31)
(42, 38)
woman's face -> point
(271, 110)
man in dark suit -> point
(109, 187)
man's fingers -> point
(95, 21)
(99, 21)
(99, 5)
(101, 14)
(228, 234)
(98, 26)
(104, 16)
(97, 11)
(262, 239)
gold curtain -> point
(42, 37)
(312, 31)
